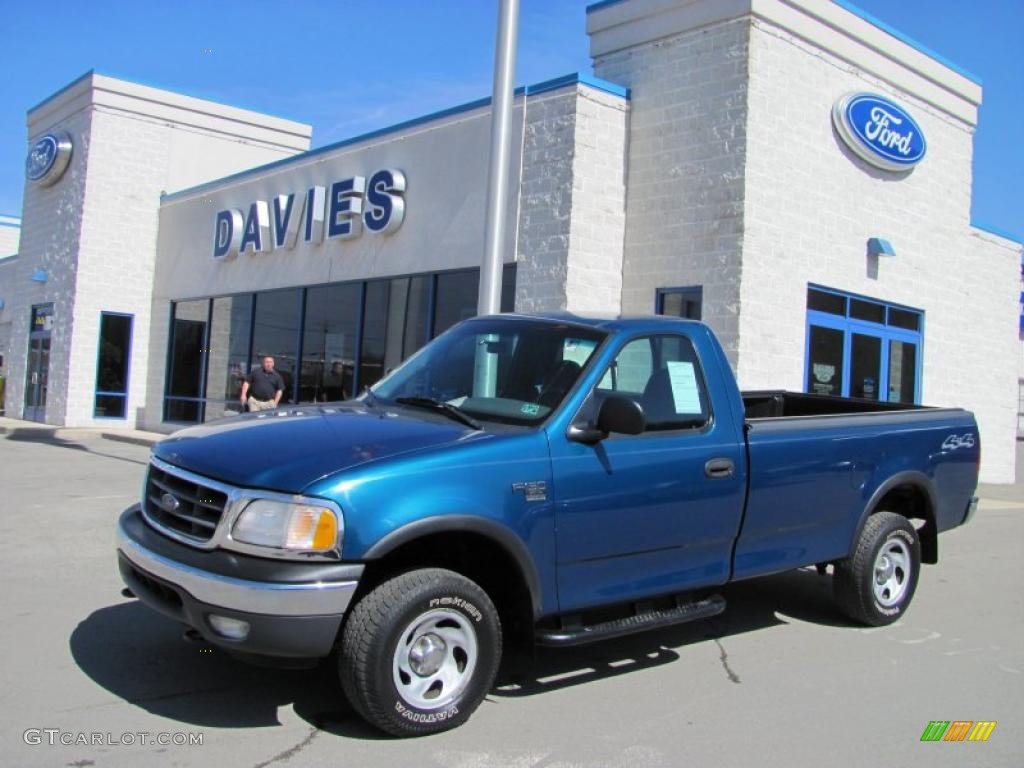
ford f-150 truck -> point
(555, 478)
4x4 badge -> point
(953, 442)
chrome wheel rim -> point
(434, 659)
(891, 572)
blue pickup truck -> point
(550, 478)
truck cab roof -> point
(605, 321)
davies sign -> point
(338, 211)
(879, 131)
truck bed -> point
(775, 404)
(818, 463)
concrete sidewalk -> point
(27, 429)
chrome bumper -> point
(269, 598)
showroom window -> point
(861, 347)
(186, 358)
(347, 336)
(330, 330)
(275, 332)
(112, 365)
(229, 352)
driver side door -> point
(641, 515)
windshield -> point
(512, 371)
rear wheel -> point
(876, 584)
(420, 652)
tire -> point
(876, 584)
(420, 652)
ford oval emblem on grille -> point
(169, 502)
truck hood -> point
(287, 449)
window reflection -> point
(188, 340)
(276, 333)
(112, 365)
(329, 343)
(398, 316)
(229, 354)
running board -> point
(701, 609)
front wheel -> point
(876, 584)
(420, 652)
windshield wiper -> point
(441, 407)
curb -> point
(148, 442)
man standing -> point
(267, 387)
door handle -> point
(719, 468)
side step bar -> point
(701, 609)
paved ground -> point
(780, 679)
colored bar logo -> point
(958, 730)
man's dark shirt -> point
(264, 385)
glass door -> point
(866, 366)
(902, 384)
(36, 378)
(862, 348)
(825, 361)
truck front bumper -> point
(248, 605)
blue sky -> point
(349, 67)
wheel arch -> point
(911, 494)
(483, 547)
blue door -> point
(639, 515)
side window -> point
(631, 369)
(663, 374)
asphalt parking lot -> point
(779, 679)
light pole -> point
(489, 298)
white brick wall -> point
(684, 205)
(50, 228)
(9, 233)
(810, 207)
(545, 202)
(571, 215)
(94, 231)
(598, 225)
(738, 183)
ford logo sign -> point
(169, 503)
(48, 158)
(878, 131)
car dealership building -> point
(793, 172)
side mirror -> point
(618, 414)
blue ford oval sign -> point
(48, 158)
(879, 131)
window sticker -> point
(530, 409)
(685, 394)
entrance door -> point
(861, 348)
(37, 372)
(36, 378)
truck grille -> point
(183, 505)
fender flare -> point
(502, 536)
(918, 480)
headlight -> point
(287, 525)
